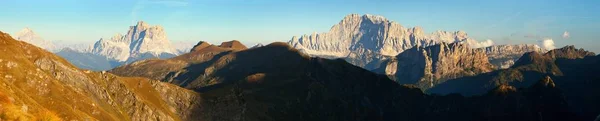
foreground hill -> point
(38, 85)
(277, 82)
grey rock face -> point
(141, 38)
(359, 34)
(429, 66)
(357, 37)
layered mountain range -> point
(38, 85)
(574, 70)
(278, 82)
(365, 68)
(429, 66)
(142, 41)
(230, 82)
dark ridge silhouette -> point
(234, 44)
(277, 82)
(574, 71)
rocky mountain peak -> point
(201, 45)
(375, 18)
(432, 65)
(234, 44)
(142, 24)
(417, 30)
(26, 30)
(139, 40)
(569, 52)
(370, 34)
(27, 35)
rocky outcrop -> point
(27, 35)
(429, 66)
(504, 56)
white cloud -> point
(566, 35)
(548, 44)
(476, 44)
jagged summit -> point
(356, 36)
(140, 39)
(569, 52)
(369, 17)
(548, 59)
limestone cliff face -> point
(428, 66)
(140, 39)
(359, 37)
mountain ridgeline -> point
(366, 68)
(278, 82)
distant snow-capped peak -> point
(141, 38)
(27, 35)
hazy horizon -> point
(504, 22)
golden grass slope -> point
(38, 85)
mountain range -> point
(370, 40)
(273, 82)
(142, 41)
(366, 68)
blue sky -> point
(265, 21)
